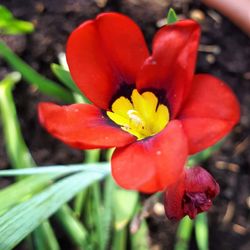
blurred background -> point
(224, 52)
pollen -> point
(142, 116)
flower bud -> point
(192, 194)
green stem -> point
(72, 226)
(91, 156)
(120, 239)
(201, 231)
(45, 85)
(183, 234)
(44, 237)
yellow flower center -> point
(143, 116)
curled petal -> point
(82, 126)
(191, 194)
(171, 66)
(209, 113)
(104, 54)
(152, 164)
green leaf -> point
(171, 16)
(64, 76)
(122, 211)
(43, 84)
(44, 237)
(22, 219)
(74, 228)
(11, 26)
(24, 190)
(201, 231)
(101, 167)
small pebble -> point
(159, 209)
(248, 201)
(39, 7)
(239, 229)
(210, 58)
(197, 15)
(101, 3)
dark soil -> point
(225, 53)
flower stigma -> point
(142, 117)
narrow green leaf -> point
(183, 234)
(71, 224)
(123, 212)
(171, 16)
(201, 231)
(101, 167)
(64, 76)
(24, 190)
(44, 237)
(17, 223)
(43, 84)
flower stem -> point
(183, 234)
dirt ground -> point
(224, 52)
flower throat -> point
(142, 117)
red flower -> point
(151, 107)
(192, 194)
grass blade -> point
(44, 237)
(74, 228)
(101, 167)
(24, 190)
(64, 76)
(43, 84)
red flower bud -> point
(192, 194)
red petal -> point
(105, 53)
(171, 67)
(150, 165)
(209, 113)
(82, 126)
(173, 199)
(199, 180)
